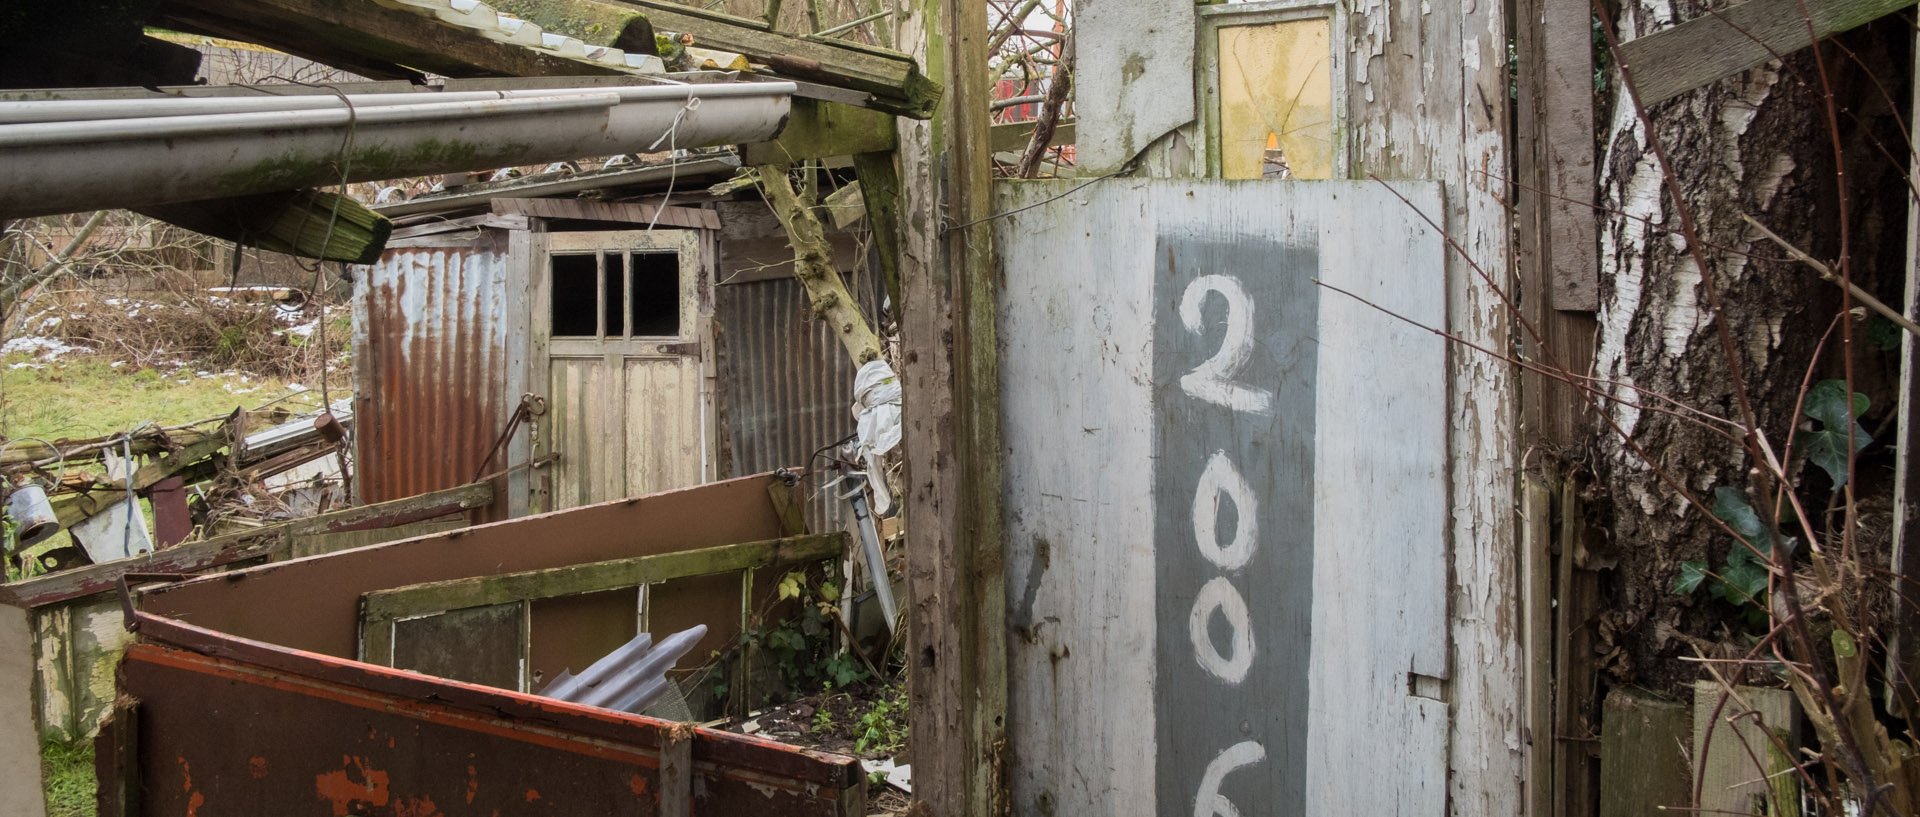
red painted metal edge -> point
(722, 748)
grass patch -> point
(88, 397)
(67, 769)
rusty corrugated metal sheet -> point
(210, 735)
(432, 369)
(786, 383)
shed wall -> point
(434, 368)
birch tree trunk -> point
(1759, 144)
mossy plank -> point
(381, 606)
(1644, 742)
(821, 130)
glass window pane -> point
(1276, 100)
(575, 296)
(656, 294)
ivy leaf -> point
(1743, 583)
(1883, 334)
(1691, 575)
(1731, 507)
(1829, 404)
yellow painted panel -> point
(1276, 80)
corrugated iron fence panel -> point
(432, 391)
(786, 383)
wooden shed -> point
(590, 349)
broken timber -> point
(813, 265)
(1719, 44)
(263, 542)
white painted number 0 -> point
(1219, 594)
(1220, 480)
(1212, 380)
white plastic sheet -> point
(876, 404)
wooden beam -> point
(455, 594)
(1716, 45)
(820, 130)
(955, 566)
(377, 41)
(880, 189)
(692, 218)
(892, 77)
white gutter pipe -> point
(69, 166)
(73, 110)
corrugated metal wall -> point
(786, 383)
(432, 361)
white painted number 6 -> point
(1210, 802)
(1212, 380)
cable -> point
(1077, 188)
(671, 137)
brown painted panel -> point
(571, 632)
(214, 740)
(479, 645)
(313, 604)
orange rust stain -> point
(416, 807)
(257, 767)
(340, 788)
(194, 803)
(639, 785)
(194, 799)
(532, 795)
(186, 773)
(473, 782)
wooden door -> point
(619, 317)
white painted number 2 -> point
(1212, 380)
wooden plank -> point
(687, 217)
(1904, 644)
(1733, 729)
(1536, 566)
(1645, 743)
(1575, 717)
(448, 225)
(1014, 136)
(436, 597)
(302, 545)
(1428, 93)
(676, 771)
(1714, 46)
(1093, 427)
(820, 130)
(244, 546)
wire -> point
(672, 138)
(1077, 188)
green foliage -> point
(68, 772)
(1883, 334)
(882, 729)
(1839, 435)
(1742, 580)
(803, 645)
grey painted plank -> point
(1085, 416)
(1142, 73)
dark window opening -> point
(616, 270)
(575, 296)
(656, 294)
